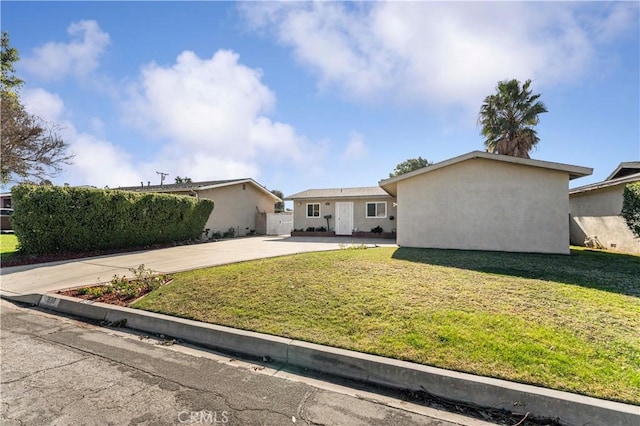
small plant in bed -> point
(122, 290)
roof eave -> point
(573, 171)
(606, 184)
(239, 181)
(327, 197)
(623, 165)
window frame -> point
(307, 210)
(366, 210)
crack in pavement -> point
(84, 395)
(40, 371)
(152, 374)
(301, 407)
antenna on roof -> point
(162, 176)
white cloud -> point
(46, 105)
(212, 112)
(79, 57)
(207, 118)
(439, 53)
(617, 19)
(97, 162)
(356, 148)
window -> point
(313, 210)
(377, 209)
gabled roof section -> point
(606, 184)
(362, 192)
(198, 186)
(625, 169)
(574, 172)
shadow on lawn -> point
(613, 272)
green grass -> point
(8, 246)
(564, 322)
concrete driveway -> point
(72, 273)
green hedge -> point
(631, 207)
(52, 219)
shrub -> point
(321, 229)
(377, 230)
(231, 232)
(50, 219)
(310, 229)
(631, 207)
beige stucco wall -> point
(360, 220)
(596, 213)
(235, 207)
(481, 204)
(598, 202)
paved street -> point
(60, 371)
(48, 277)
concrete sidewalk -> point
(42, 278)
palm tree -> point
(508, 119)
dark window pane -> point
(371, 209)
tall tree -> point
(409, 165)
(279, 206)
(31, 148)
(508, 119)
(183, 179)
(9, 56)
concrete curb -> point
(482, 391)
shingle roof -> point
(363, 192)
(179, 186)
(197, 186)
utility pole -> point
(162, 176)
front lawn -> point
(8, 246)
(564, 322)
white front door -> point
(344, 218)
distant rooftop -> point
(197, 186)
(363, 192)
(628, 178)
(180, 186)
(625, 169)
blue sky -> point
(317, 95)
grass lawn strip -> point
(564, 322)
(8, 246)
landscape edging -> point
(566, 407)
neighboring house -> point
(351, 209)
(595, 211)
(5, 200)
(482, 201)
(238, 203)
